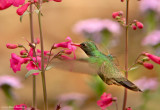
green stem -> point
(126, 53)
(34, 103)
(42, 59)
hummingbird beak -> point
(78, 45)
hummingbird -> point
(107, 69)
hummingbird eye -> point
(84, 45)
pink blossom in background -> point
(147, 83)
(12, 81)
(78, 98)
(150, 5)
(129, 108)
(106, 100)
(95, 25)
(94, 29)
(15, 62)
(152, 39)
(20, 107)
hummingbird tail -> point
(129, 85)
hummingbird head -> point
(88, 47)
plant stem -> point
(126, 54)
(116, 105)
(42, 59)
(34, 103)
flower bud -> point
(23, 8)
(148, 65)
(154, 58)
(129, 108)
(139, 25)
(23, 52)
(122, 0)
(134, 27)
(11, 46)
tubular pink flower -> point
(105, 101)
(20, 107)
(23, 8)
(5, 4)
(11, 46)
(148, 65)
(16, 3)
(139, 25)
(15, 62)
(31, 65)
(67, 44)
(57, 0)
(37, 41)
(154, 58)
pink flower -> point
(152, 39)
(16, 3)
(105, 101)
(148, 65)
(37, 41)
(12, 81)
(129, 108)
(57, 0)
(23, 8)
(5, 4)
(139, 25)
(115, 14)
(67, 44)
(154, 58)
(23, 52)
(15, 62)
(20, 107)
(134, 27)
(31, 65)
(147, 83)
(11, 46)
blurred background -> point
(58, 22)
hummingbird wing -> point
(110, 74)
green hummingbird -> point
(107, 70)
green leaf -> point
(49, 67)
(133, 68)
(25, 13)
(31, 72)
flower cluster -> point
(147, 83)
(93, 28)
(20, 11)
(119, 17)
(70, 48)
(20, 107)
(106, 100)
(34, 61)
(149, 57)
